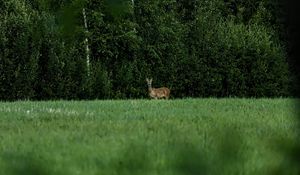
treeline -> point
(198, 48)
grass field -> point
(155, 137)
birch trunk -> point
(86, 42)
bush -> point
(229, 59)
(18, 53)
(259, 63)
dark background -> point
(221, 48)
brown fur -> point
(156, 93)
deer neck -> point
(150, 88)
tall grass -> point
(189, 136)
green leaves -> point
(199, 48)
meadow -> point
(155, 137)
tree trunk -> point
(86, 42)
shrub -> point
(18, 53)
(230, 59)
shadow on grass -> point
(25, 165)
(194, 161)
(135, 160)
(182, 159)
(290, 149)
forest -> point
(105, 49)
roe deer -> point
(156, 93)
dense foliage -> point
(198, 48)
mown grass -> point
(155, 137)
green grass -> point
(155, 137)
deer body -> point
(156, 93)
